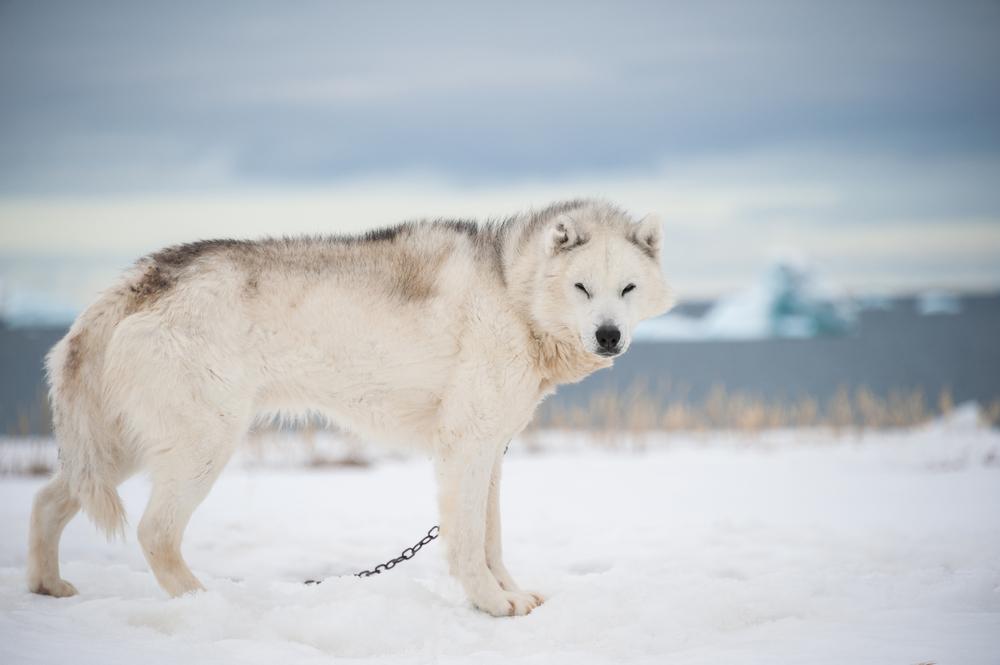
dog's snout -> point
(608, 337)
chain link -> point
(406, 555)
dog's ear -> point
(647, 234)
(563, 234)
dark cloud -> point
(115, 97)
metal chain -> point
(406, 555)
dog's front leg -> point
(494, 539)
(464, 472)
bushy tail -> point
(103, 505)
(90, 442)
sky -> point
(863, 135)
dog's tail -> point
(90, 440)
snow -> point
(787, 547)
(789, 299)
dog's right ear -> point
(563, 234)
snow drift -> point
(788, 548)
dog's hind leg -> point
(52, 510)
(182, 477)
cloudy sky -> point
(864, 135)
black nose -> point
(608, 338)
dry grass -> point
(28, 457)
(611, 419)
(608, 417)
(991, 413)
(638, 411)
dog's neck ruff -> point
(561, 361)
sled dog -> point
(438, 335)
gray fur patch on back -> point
(414, 276)
(180, 256)
(410, 277)
(154, 282)
(164, 268)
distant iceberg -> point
(938, 302)
(788, 300)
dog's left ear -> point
(563, 234)
(647, 234)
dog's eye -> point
(627, 289)
(582, 288)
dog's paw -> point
(57, 588)
(510, 603)
(539, 598)
(522, 602)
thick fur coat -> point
(441, 336)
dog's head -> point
(600, 277)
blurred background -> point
(828, 175)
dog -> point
(442, 336)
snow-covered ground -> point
(789, 548)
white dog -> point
(443, 336)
